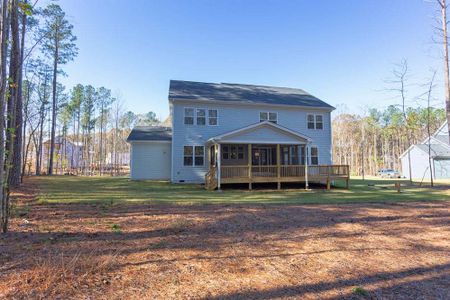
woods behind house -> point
(49, 128)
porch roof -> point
(261, 133)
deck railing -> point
(271, 171)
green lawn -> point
(69, 189)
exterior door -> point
(262, 156)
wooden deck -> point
(273, 173)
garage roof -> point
(150, 133)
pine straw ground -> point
(161, 251)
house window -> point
(194, 155)
(201, 116)
(232, 152)
(212, 117)
(188, 116)
(225, 152)
(315, 121)
(311, 124)
(188, 152)
(319, 122)
(268, 116)
(314, 156)
(199, 157)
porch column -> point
(249, 158)
(278, 167)
(219, 161)
(306, 166)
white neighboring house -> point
(440, 157)
(121, 158)
(67, 149)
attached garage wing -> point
(150, 160)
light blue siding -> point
(150, 160)
(265, 134)
(232, 117)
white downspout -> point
(306, 166)
(219, 156)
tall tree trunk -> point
(12, 100)
(16, 167)
(3, 82)
(443, 5)
(54, 108)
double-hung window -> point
(314, 156)
(212, 117)
(315, 121)
(188, 116)
(194, 155)
(201, 116)
(268, 116)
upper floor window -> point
(315, 121)
(212, 117)
(188, 116)
(314, 156)
(268, 116)
(201, 116)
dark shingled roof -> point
(242, 93)
(150, 133)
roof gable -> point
(243, 94)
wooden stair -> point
(210, 179)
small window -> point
(314, 156)
(188, 152)
(263, 116)
(273, 117)
(268, 116)
(225, 152)
(201, 116)
(240, 152)
(233, 152)
(212, 117)
(189, 116)
(199, 155)
(311, 122)
(319, 122)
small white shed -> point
(151, 153)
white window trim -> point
(310, 155)
(193, 156)
(206, 116)
(195, 116)
(268, 118)
(184, 116)
(217, 116)
(315, 123)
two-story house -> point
(236, 133)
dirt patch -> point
(399, 251)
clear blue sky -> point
(339, 51)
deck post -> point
(328, 177)
(249, 158)
(219, 159)
(306, 166)
(278, 168)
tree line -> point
(374, 141)
(45, 127)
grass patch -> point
(116, 228)
(118, 190)
(360, 291)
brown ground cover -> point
(135, 251)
